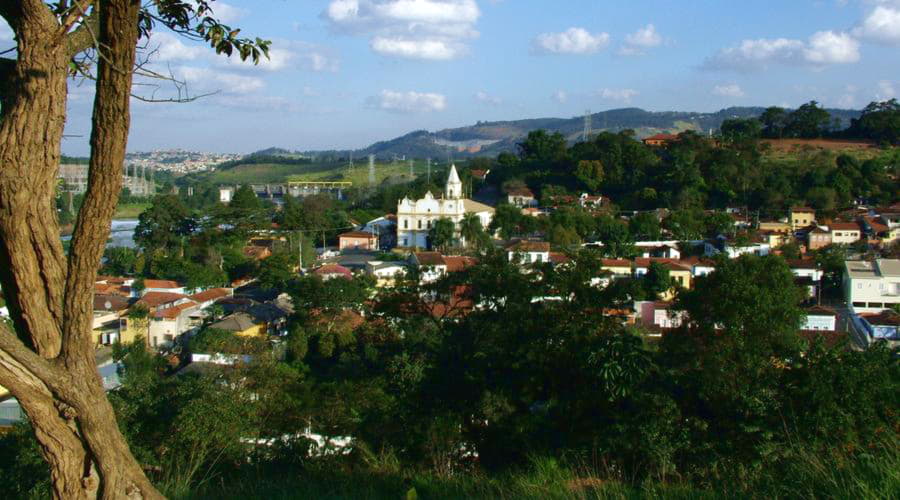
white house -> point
(529, 252)
(845, 232)
(871, 287)
(415, 218)
(431, 265)
(521, 197)
(385, 273)
(820, 318)
(225, 194)
(164, 286)
(806, 268)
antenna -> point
(586, 135)
(371, 170)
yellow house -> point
(242, 325)
(680, 274)
(802, 217)
(775, 227)
(620, 268)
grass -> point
(130, 210)
(807, 474)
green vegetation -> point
(275, 171)
(130, 210)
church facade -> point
(416, 217)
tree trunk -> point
(50, 365)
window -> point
(420, 224)
(859, 304)
(406, 224)
(405, 242)
(877, 305)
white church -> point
(415, 218)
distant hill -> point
(491, 138)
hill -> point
(491, 138)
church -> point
(415, 218)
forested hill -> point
(490, 138)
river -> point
(121, 233)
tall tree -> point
(440, 235)
(48, 361)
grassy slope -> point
(130, 210)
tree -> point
(120, 261)
(276, 271)
(774, 120)
(644, 226)
(880, 122)
(739, 130)
(590, 172)
(616, 239)
(163, 225)
(506, 221)
(440, 236)
(543, 147)
(472, 231)
(809, 121)
(48, 362)
(657, 280)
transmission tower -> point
(428, 162)
(411, 173)
(351, 161)
(587, 126)
(371, 170)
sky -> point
(346, 73)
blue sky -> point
(345, 73)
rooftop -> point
(161, 284)
(156, 299)
(872, 270)
(357, 234)
(211, 294)
(430, 259)
(529, 246)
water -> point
(121, 233)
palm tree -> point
(471, 230)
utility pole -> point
(411, 174)
(371, 170)
(428, 162)
(300, 249)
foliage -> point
(164, 225)
(441, 234)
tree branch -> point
(76, 11)
(85, 35)
(27, 364)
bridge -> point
(297, 189)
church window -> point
(406, 224)
(420, 224)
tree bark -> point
(48, 364)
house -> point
(106, 324)
(659, 315)
(385, 227)
(225, 194)
(331, 271)
(734, 249)
(775, 227)
(663, 249)
(431, 265)
(891, 219)
(845, 232)
(385, 273)
(415, 218)
(801, 217)
(871, 287)
(618, 268)
(529, 252)
(257, 252)
(819, 318)
(521, 197)
(358, 240)
(876, 229)
(241, 324)
(680, 274)
(271, 316)
(774, 239)
(659, 140)
(590, 201)
(166, 286)
(805, 268)
(457, 263)
(209, 297)
(480, 174)
(884, 325)
(818, 238)
(168, 324)
(699, 266)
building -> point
(163, 286)
(659, 140)
(521, 197)
(529, 252)
(871, 287)
(385, 273)
(241, 324)
(357, 240)
(431, 265)
(617, 268)
(225, 194)
(801, 217)
(775, 227)
(819, 318)
(415, 218)
(845, 232)
(331, 271)
(818, 238)
(588, 201)
(883, 326)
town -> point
(449, 249)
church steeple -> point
(454, 185)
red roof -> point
(156, 299)
(161, 284)
(211, 294)
(876, 226)
(529, 246)
(460, 263)
(661, 137)
(615, 263)
(670, 264)
(333, 269)
(884, 318)
(844, 226)
(430, 259)
(559, 258)
(521, 191)
(174, 312)
(802, 264)
(820, 311)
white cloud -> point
(571, 41)
(416, 49)
(211, 80)
(226, 13)
(167, 47)
(885, 91)
(560, 96)
(881, 25)
(728, 90)
(644, 37)
(823, 48)
(414, 29)
(483, 97)
(619, 95)
(407, 102)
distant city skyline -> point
(346, 73)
